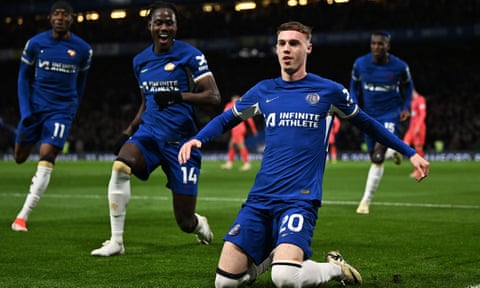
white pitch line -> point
(227, 199)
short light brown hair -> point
(296, 26)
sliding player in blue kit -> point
(51, 82)
(276, 223)
(172, 76)
(382, 83)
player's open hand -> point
(421, 166)
(186, 149)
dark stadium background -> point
(438, 39)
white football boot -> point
(363, 208)
(350, 276)
(109, 248)
(246, 166)
(227, 166)
(202, 231)
(397, 158)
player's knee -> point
(19, 159)
(285, 274)
(20, 156)
(121, 166)
(228, 280)
(377, 157)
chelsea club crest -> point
(312, 98)
(169, 67)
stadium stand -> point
(439, 49)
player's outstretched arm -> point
(421, 165)
(186, 149)
(215, 128)
(382, 135)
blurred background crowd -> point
(437, 38)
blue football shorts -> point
(392, 124)
(51, 128)
(257, 231)
(181, 179)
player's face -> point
(60, 20)
(379, 47)
(163, 28)
(292, 50)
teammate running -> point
(51, 83)
(166, 71)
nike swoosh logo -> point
(144, 70)
(270, 100)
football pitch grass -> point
(416, 235)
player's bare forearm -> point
(421, 165)
(131, 128)
(207, 93)
(186, 149)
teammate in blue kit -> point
(165, 72)
(276, 223)
(382, 83)
(51, 82)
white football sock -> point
(118, 198)
(256, 270)
(307, 274)
(374, 177)
(253, 272)
(222, 281)
(38, 186)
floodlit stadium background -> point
(436, 38)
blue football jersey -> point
(298, 119)
(175, 70)
(378, 86)
(57, 64)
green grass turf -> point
(417, 234)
